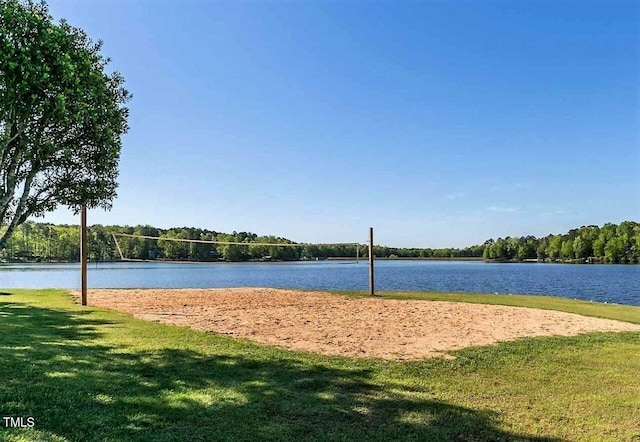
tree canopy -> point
(61, 117)
(40, 241)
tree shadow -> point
(55, 370)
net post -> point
(83, 252)
(371, 280)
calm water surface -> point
(604, 283)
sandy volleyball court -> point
(338, 325)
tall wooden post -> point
(83, 252)
(371, 284)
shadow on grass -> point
(54, 369)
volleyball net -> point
(132, 247)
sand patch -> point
(338, 325)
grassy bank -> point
(613, 311)
(89, 374)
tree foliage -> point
(609, 243)
(40, 241)
(61, 117)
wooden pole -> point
(83, 252)
(372, 291)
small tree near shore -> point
(61, 117)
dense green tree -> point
(566, 251)
(598, 246)
(35, 241)
(541, 250)
(579, 247)
(61, 117)
(555, 247)
(174, 249)
(589, 234)
(614, 250)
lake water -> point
(604, 283)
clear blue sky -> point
(439, 123)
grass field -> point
(87, 374)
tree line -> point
(33, 241)
(610, 243)
(49, 242)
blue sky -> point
(440, 123)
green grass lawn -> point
(609, 311)
(86, 374)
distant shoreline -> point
(344, 258)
